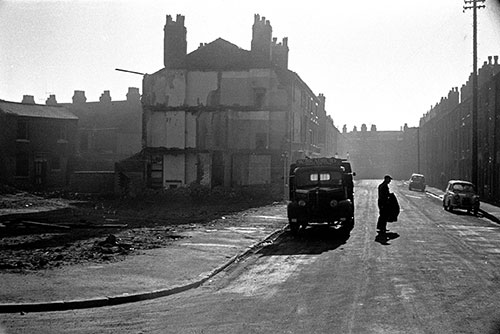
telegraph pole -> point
(473, 4)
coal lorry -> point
(321, 192)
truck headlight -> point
(333, 203)
(302, 203)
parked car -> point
(461, 195)
(417, 181)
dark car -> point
(461, 195)
(417, 181)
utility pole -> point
(473, 4)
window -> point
(22, 165)
(63, 132)
(22, 130)
(324, 177)
(55, 162)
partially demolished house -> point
(225, 116)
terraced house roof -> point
(36, 110)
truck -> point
(321, 192)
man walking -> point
(383, 201)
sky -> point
(382, 63)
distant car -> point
(461, 195)
(417, 181)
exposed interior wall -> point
(171, 129)
(167, 87)
(167, 129)
(236, 88)
(248, 130)
(210, 135)
(200, 85)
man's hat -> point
(387, 177)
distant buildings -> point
(108, 130)
(225, 116)
(36, 144)
(376, 153)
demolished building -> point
(225, 116)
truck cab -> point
(321, 192)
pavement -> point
(185, 264)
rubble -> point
(61, 232)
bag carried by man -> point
(392, 208)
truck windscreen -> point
(318, 178)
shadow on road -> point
(384, 238)
(312, 240)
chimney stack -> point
(51, 100)
(174, 43)
(105, 97)
(79, 96)
(28, 99)
(261, 41)
(133, 94)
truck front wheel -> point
(294, 228)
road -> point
(438, 273)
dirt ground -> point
(43, 231)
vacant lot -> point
(51, 230)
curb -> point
(131, 298)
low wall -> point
(95, 182)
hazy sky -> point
(377, 62)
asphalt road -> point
(438, 273)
